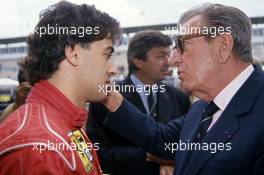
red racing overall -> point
(44, 136)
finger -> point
(162, 171)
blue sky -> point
(18, 17)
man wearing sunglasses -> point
(222, 134)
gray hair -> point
(216, 15)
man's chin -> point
(186, 88)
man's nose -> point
(166, 61)
(175, 58)
(112, 71)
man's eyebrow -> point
(110, 49)
(164, 52)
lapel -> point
(188, 134)
(164, 105)
(222, 131)
(227, 125)
(133, 97)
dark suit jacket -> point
(119, 155)
(241, 125)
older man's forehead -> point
(195, 21)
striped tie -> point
(206, 120)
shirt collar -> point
(144, 93)
(137, 82)
(225, 96)
(44, 92)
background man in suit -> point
(148, 60)
(224, 136)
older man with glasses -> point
(223, 133)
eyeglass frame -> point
(179, 41)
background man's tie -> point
(150, 102)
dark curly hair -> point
(45, 52)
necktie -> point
(150, 101)
(206, 120)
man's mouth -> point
(165, 71)
(108, 81)
(180, 74)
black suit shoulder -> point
(179, 97)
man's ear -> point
(71, 55)
(138, 63)
(225, 49)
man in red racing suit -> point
(66, 70)
(35, 139)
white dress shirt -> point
(225, 96)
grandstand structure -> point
(14, 49)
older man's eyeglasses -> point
(179, 43)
